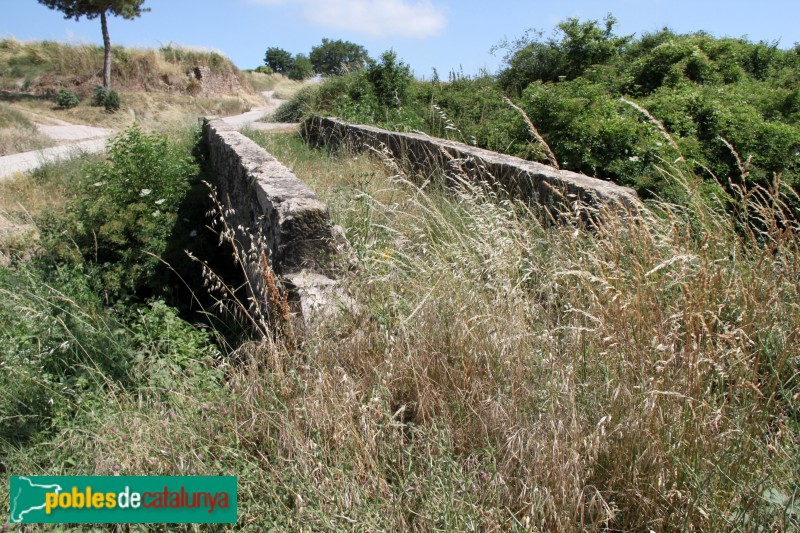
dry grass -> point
(18, 134)
(258, 81)
(286, 88)
(44, 190)
(152, 111)
(158, 87)
(41, 65)
(641, 377)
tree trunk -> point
(107, 58)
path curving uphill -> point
(75, 139)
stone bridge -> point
(305, 249)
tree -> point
(75, 9)
(301, 68)
(279, 60)
(338, 57)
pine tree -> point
(91, 9)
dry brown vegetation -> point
(159, 88)
(642, 376)
(17, 132)
(40, 66)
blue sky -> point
(445, 34)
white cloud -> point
(377, 18)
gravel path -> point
(79, 139)
(251, 119)
(28, 161)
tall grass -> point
(642, 376)
(495, 374)
(28, 64)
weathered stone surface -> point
(267, 199)
(549, 187)
(213, 82)
(320, 296)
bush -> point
(123, 217)
(297, 107)
(105, 97)
(67, 99)
(390, 79)
(99, 96)
(112, 101)
(55, 342)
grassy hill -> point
(40, 67)
(158, 86)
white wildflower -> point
(145, 192)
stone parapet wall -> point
(265, 199)
(547, 186)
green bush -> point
(99, 96)
(67, 99)
(390, 79)
(301, 104)
(56, 342)
(61, 349)
(112, 101)
(124, 214)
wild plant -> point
(261, 301)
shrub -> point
(105, 97)
(295, 109)
(123, 217)
(99, 96)
(112, 101)
(55, 339)
(390, 79)
(67, 99)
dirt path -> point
(251, 118)
(75, 139)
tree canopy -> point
(75, 9)
(338, 57)
(279, 60)
(301, 68)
